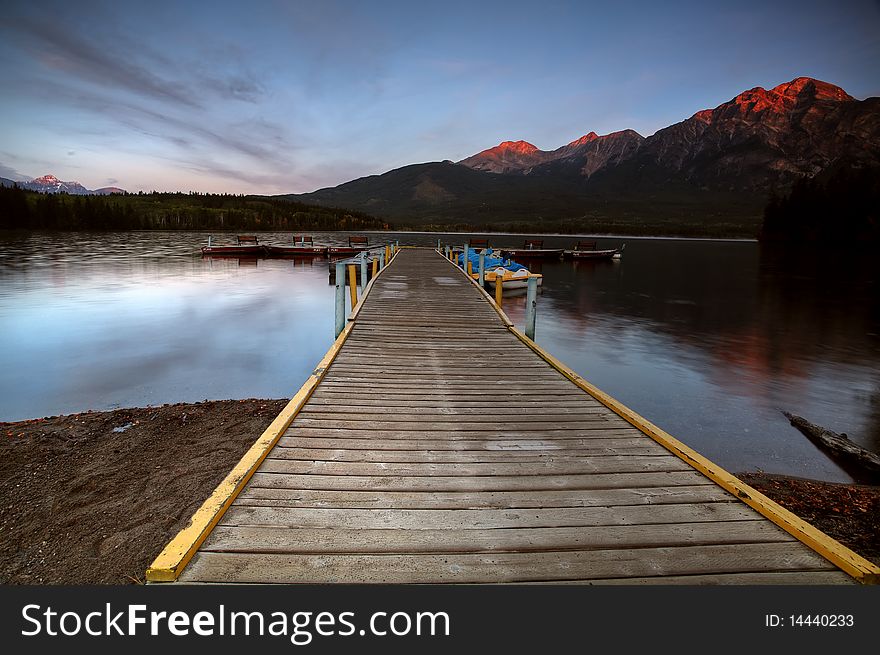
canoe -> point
(614, 253)
(234, 250)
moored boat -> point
(511, 280)
(245, 245)
(303, 246)
(533, 249)
(356, 244)
(587, 250)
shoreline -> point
(92, 498)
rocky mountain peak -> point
(515, 146)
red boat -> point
(355, 245)
(303, 246)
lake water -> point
(707, 339)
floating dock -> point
(435, 443)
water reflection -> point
(707, 339)
(711, 340)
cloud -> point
(111, 181)
(106, 65)
(11, 174)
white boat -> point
(510, 279)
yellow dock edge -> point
(849, 561)
(169, 564)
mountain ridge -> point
(719, 162)
(50, 184)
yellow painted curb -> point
(169, 564)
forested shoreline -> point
(23, 209)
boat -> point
(511, 280)
(513, 275)
(303, 246)
(356, 244)
(533, 249)
(587, 250)
(245, 245)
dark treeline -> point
(843, 206)
(21, 209)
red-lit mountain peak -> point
(812, 88)
(506, 156)
(521, 147)
(586, 138)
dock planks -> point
(439, 448)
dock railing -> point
(370, 264)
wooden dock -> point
(435, 444)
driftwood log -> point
(837, 444)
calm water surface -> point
(709, 340)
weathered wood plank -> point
(504, 567)
(477, 484)
(811, 578)
(281, 497)
(463, 519)
(487, 412)
(538, 434)
(528, 446)
(594, 464)
(459, 456)
(370, 540)
(380, 423)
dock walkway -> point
(439, 447)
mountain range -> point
(720, 165)
(51, 184)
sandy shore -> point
(92, 498)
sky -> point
(273, 96)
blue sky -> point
(273, 97)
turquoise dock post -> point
(531, 306)
(482, 269)
(340, 297)
(363, 257)
(465, 260)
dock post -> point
(352, 284)
(499, 282)
(531, 306)
(438, 245)
(387, 253)
(482, 269)
(340, 297)
(381, 260)
(470, 268)
(209, 240)
(464, 261)
(363, 271)
(375, 267)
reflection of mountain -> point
(763, 314)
